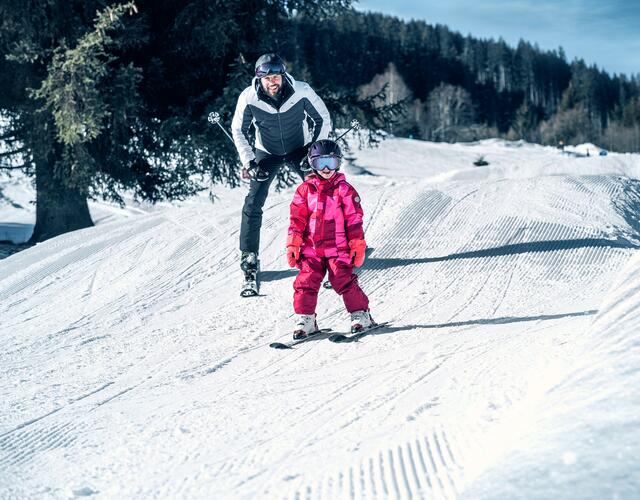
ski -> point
(320, 334)
(343, 339)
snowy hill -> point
(131, 367)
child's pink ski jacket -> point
(326, 214)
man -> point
(277, 106)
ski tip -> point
(248, 293)
(279, 345)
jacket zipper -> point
(284, 150)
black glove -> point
(249, 170)
(253, 172)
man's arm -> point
(240, 126)
(317, 110)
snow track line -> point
(29, 422)
(21, 447)
(71, 257)
(423, 467)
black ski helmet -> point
(324, 147)
(270, 64)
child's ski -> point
(291, 344)
(340, 338)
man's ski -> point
(320, 334)
(340, 338)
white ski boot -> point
(361, 321)
(305, 325)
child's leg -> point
(345, 283)
(307, 284)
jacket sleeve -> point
(352, 213)
(317, 110)
(299, 211)
(240, 126)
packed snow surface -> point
(130, 367)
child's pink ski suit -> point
(326, 214)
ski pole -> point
(355, 125)
(214, 117)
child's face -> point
(325, 173)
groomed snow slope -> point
(586, 436)
(130, 366)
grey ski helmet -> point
(270, 64)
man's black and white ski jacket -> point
(278, 131)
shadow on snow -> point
(514, 249)
(492, 321)
(374, 263)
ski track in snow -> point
(132, 368)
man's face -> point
(271, 84)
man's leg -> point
(254, 201)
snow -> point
(131, 367)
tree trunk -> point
(59, 208)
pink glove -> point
(294, 242)
(357, 251)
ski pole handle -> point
(355, 125)
(214, 117)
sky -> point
(602, 32)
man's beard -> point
(273, 93)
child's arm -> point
(352, 214)
(353, 220)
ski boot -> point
(306, 325)
(361, 321)
(250, 265)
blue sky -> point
(602, 32)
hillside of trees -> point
(99, 97)
(458, 88)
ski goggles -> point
(322, 162)
(270, 68)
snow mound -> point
(588, 431)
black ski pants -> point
(258, 191)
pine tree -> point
(99, 100)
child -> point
(325, 234)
